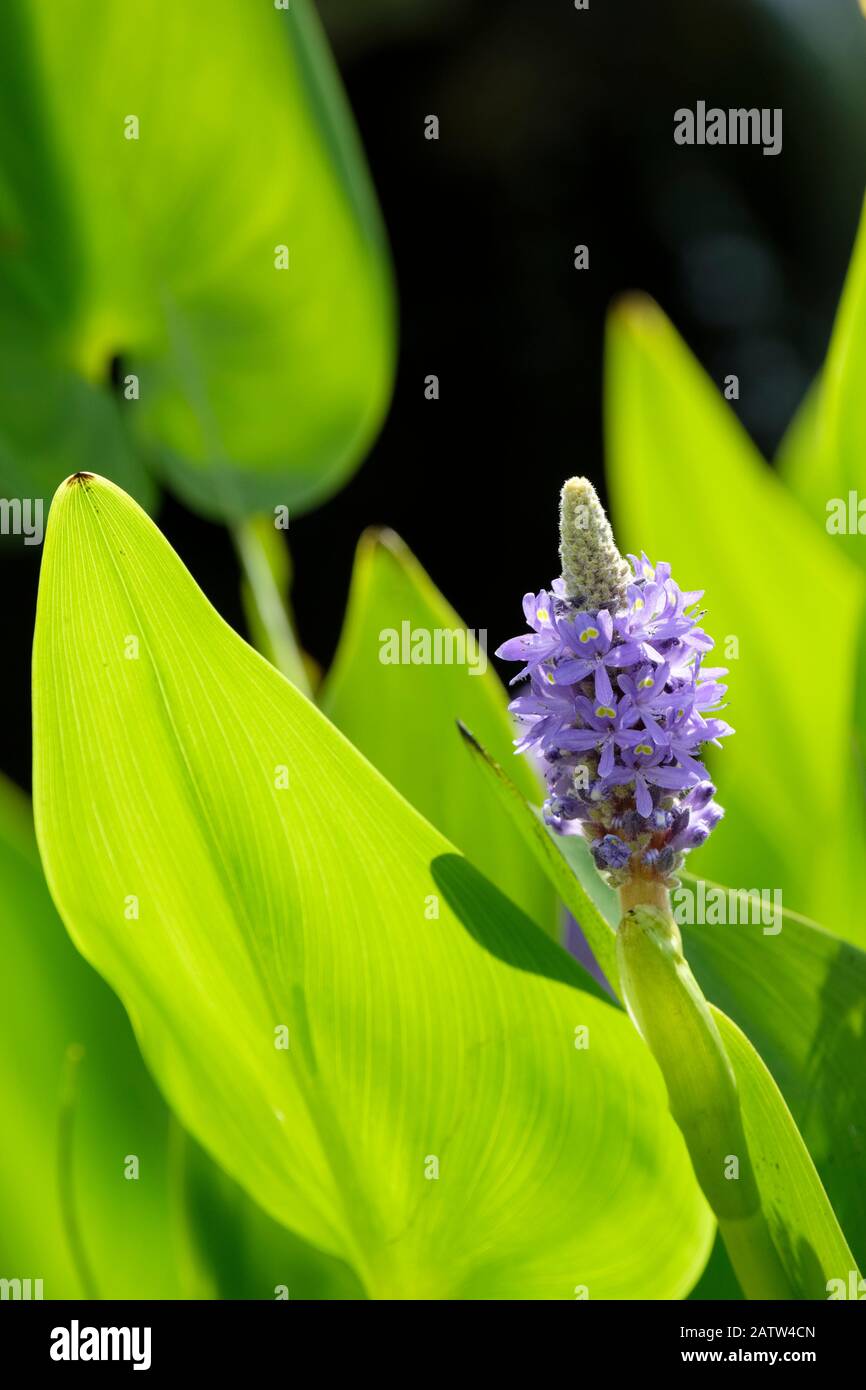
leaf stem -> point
(66, 1170)
(271, 620)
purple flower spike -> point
(619, 703)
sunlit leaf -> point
(797, 991)
(689, 487)
(130, 1229)
(823, 461)
(823, 455)
(800, 995)
(180, 1228)
(402, 715)
(802, 1223)
(150, 174)
(245, 879)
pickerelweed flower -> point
(618, 702)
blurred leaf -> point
(823, 455)
(689, 487)
(823, 461)
(312, 907)
(51, 420)
(718, 1280)
(248, 1254)
(156, 256)
(265, 590)
(50, 999)
(797, 455)
(402, 717)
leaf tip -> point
(472, 742)
(383, 538)
(467, 734)
(637, 313)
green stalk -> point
(66, 1170)
(258, 549)
(673, 1017)
(755, 1258)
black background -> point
(556, 129)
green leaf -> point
(689, 487)
(823, 455)
(413, 1039)
(402, 716)
(248, 1255)
(258, 386)
(779, 1229)
(130, 1230)
(799, 993)
(52, 421)
(822, 459)
(804, 1229)
(561, 858)
(180, 1229)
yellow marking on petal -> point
(643, 748)
(542, 614)
(550, 679)
(605, 712)
(589, 634)
(646, 684)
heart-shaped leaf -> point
(372, 1040)
(193, 263)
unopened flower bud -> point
(594, 574)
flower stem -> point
(262, 558)
(649, 892)
(671, 1014)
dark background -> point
(556, 129)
